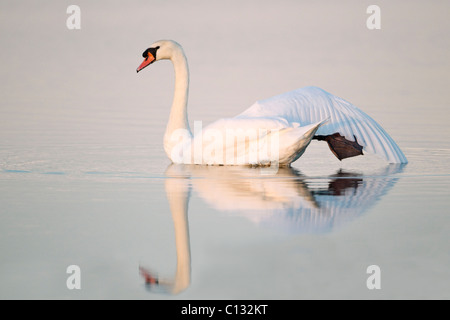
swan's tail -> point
(294, 141)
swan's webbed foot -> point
(341, 147)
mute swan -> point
(272, 131)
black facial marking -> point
(150, 50)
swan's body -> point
(276, 130)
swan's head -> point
(160, 50)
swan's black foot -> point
(341, 147)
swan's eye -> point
(151, 51)
(145, 53)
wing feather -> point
(311, 104)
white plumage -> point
(311, 104)
(275, 130)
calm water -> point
(84, 180)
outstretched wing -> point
(311, 104)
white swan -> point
(272, 131)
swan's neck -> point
(178, 120)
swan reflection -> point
(285, 200)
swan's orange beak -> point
(150, 58)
